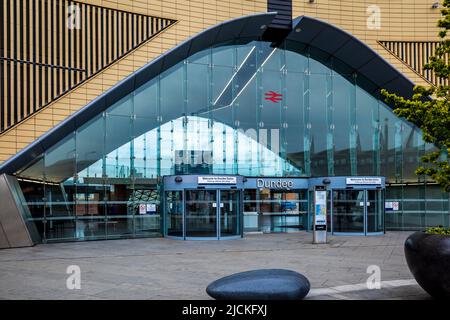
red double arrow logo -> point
(273, 96)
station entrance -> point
(213, 207)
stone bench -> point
(262, 284)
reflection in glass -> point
(174, 213)
(201, 213)
(229, 213)
(375, 211)
(348, 211)
(212, 113)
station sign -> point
(274, 184)
(216, 180)
(363, 181)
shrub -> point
(438, 230)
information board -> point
(320, 205)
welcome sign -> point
(216, 180)
(363, 181)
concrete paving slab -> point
(162, 268)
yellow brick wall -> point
(400, 20)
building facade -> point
(208, 120)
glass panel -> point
(367, 141)
(60, 189)
(375, 211)
(222, 77)
(295, 62)
(59, 229)
(90, 227)
(229, 213)
(118, 183)
(145, 101)
(146, 208)
(348, 211)
(413, 221)
(123, 107)
(34, 193)
(318, 124)
(390, 144)
(393, 220)
(294, 125)
(342, 90)
(145, 149)
(251, 209)
(437, 206)
(265, 207)
(119, 227)
(283, 211)
(413, 148)
(270, 122)
(174, 213)
(197, 88)
(172, 94)
(33, 189)
(90, 190)
(201, 213)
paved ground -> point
(172, 269)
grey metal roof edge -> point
(99, 104)
(364, 46)
(374, 55)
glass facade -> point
(247, 108)
(275, 210)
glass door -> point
(358, 211)
(207, 214)
(174, 213)
(201, 213)
(375, 211)
(229, 213)
(290, 211)
(348, 211)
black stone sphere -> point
(428, 258)
(263, 284)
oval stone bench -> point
(263, 284)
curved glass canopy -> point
(251, 109)
(247, 108)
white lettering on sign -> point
(363, 180)
(216, 180)
(274, 184)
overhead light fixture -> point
(178, 179)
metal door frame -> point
(218, 229)
(365, 220)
